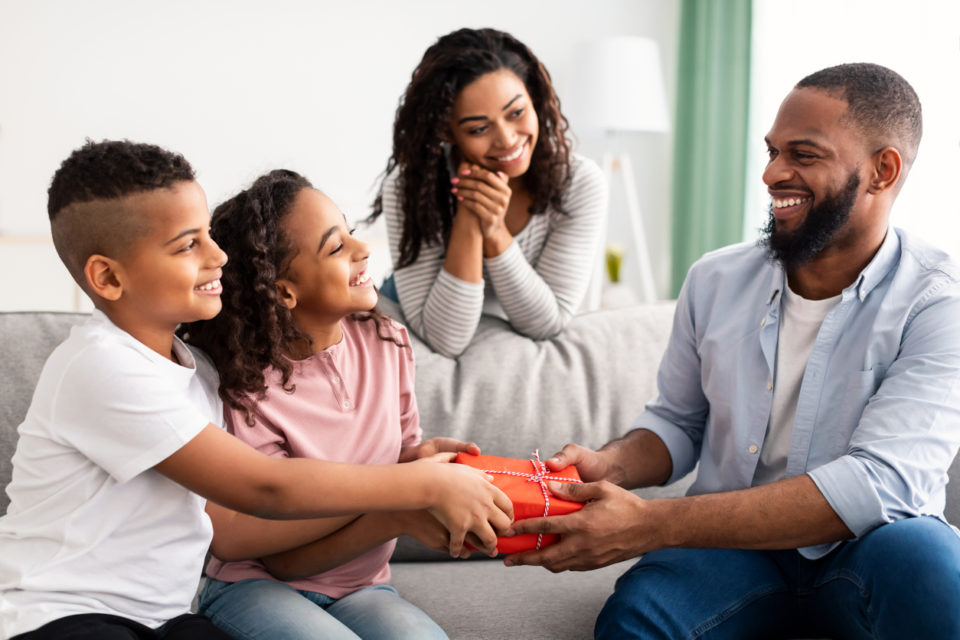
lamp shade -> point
(618, 86)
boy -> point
(105, 535)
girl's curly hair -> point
(422, 124)
(254, 329)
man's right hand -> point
(592, 465)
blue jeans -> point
(899, 581)
(260, 609)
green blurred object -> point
(614, 257)
(710, 143)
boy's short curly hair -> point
(85, 200)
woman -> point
(487, 208)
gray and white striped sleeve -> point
(540, 301)
(439, 307)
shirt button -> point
(863, 294)
(763, 322)
(346, 404)
(752, 448)
(769, 385)
(335, 380)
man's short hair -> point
(85, 201)
(880, 104)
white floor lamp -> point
(619, 89)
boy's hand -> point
(433, 446)
(468, 502)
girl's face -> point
(494, 124)
(327, 277)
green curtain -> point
(713, 95)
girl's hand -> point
(437, 445)
(466, 501)
(422, 526)
(486, 195)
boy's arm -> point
(218, 466)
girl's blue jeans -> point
(901, 580)
(260, 609)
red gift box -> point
(525, 483)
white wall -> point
(241, 87)
(920, 40)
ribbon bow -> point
(540, 475)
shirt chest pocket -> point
(843, 403)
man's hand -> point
(614, 525)
(591, 465)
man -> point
(815, 377)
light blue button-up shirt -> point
(878, 415)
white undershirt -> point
(800, 321)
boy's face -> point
(328, 273)
(172, 274)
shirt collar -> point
(883, 261)
(876, 270)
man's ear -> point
(100, 272)
(887, 167)
(287, 293)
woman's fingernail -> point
(454, 190)
(454, 180)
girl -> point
(309, 368)
(487, 208)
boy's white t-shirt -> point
(91, 528)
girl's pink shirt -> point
(354, 402)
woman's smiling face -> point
(494, 124)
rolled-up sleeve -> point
(678, 413)
(909, 432)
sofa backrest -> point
(27, 338)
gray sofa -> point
(508, 394)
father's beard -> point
(798, 247)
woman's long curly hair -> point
(423, 123)
(255, 330)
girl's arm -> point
(218, 466)
(441, 294)
(238, 536)
(540, 301)
(366, 532)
